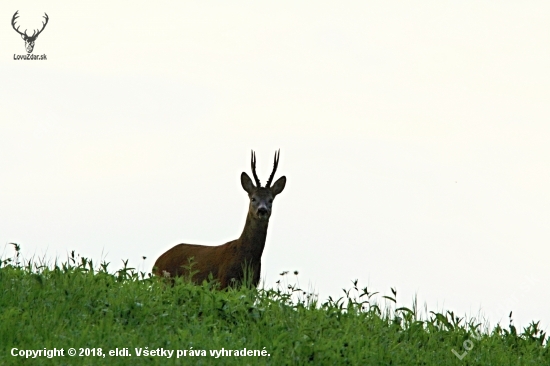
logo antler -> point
(29, 40)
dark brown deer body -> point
(227, 262)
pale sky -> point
(414, 138)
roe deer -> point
(226, 262)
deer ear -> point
(23, 36)
(278, 186)
(246, 182)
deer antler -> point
(253, 163)
(15, 16)
(34, 33)
(43, 26)
(275, 163)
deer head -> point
(29, 40)
(261, 198)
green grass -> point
(76, 305)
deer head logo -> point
(29, 40)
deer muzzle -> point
(263, 213)
(29, 46)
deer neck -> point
(252, 240)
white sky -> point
(414, 137)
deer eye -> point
(271, 201)
(253, 200)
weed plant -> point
(78, 305)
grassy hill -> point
(128, 318)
